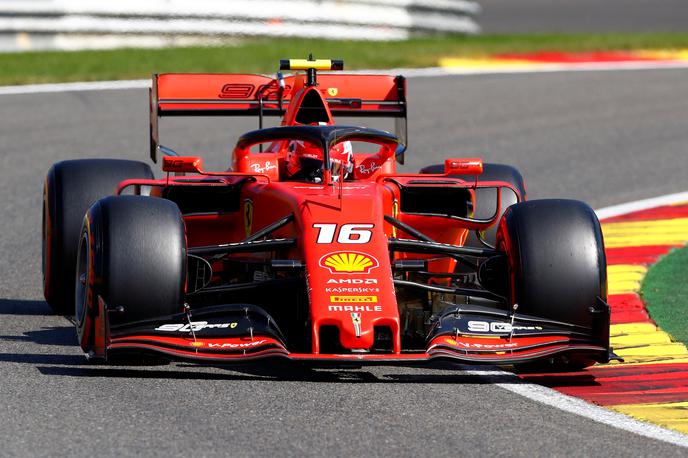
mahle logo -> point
(348, 262)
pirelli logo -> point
(353, 299)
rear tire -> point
(556, 260)
(132, 254)
(69, 190)
(486, 199)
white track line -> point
(408, 72)
(570, 404)
(638, 205)
(585, 409)
(531, 391)
(71, 87)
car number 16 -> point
(348, 233)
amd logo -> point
(352, 281)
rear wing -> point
(176, 94)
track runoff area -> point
(647, 394)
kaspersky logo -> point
(348, 262)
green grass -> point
(665, 291)
(261, 55)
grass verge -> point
(261, 55)
(665, 292)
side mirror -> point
(469, 166)
(182, 164)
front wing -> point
(234, 333)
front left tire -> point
(132, 254)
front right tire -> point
(556, 259)
(556, 264)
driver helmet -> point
(304, 161)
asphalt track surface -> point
(604, 137)
(576, 16)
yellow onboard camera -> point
(316, 64)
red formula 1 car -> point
(312, 246)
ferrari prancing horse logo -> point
(356, 320)
(248, 216)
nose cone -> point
(348, 269)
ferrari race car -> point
(312, 246)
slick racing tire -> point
(486, 199)
(69, 189)
(132, 254)
(556, 260)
